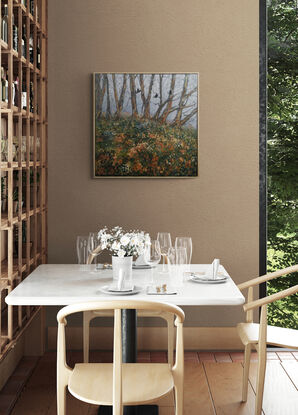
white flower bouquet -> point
(121, 243)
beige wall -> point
(219, 209)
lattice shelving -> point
(23, 162)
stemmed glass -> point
(93, 248)
(152, 255)
(82, 251)
(165, 243)
(181, 261)
(185, 242)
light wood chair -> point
(90, 315)
(118, 384)
(259, 335)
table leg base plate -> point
(131, 410)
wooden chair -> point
(118, 384)
(90, 315)
(259, 335)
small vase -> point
(125, 265)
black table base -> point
(129, 355)
(131, 410)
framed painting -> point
(145, 124)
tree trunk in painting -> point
(133, 97)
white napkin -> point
(212, 269)
(140, 260)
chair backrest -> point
(117, 306)
(251, 304)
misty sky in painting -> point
(156, 94)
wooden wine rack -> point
(23, 163)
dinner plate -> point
(218, 280)
(105, 290)
(134, 266)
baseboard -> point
(153, 338)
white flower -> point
(133, 240)
(105, 237)
(121, 253)
(124, 240)
(115, 246)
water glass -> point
(177, 260)
(185, 242)
(165, 243)
(82, 249)
(152, 255)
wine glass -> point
(165, 243)
(181, 261)
(152, 254)
(82, 250)
(185, 242)
(94, 248)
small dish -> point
(106, 290)
(134, 266)
(115, 289)
(205, 280)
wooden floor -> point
(212, 385)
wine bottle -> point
(13, 93)
(6, 87)
(2, 84)
(31, 57)
(24, 96)
(16, 95)
(4, 25)
(38, 53)
(31, 98)
(15, 35)
(24, 42)
(31, 7)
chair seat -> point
(277, 336)
(142, 382)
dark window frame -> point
(263, 64)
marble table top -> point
(63, 284)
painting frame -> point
(94, 175)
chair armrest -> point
(271, 298)
(268, 277)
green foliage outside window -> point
(282, 155)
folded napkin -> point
(212, 269)
(140, 261)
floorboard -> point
(197, 398)
(225, 385)
(39, 393)
(291, 368)
(280, 394)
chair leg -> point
(61, 400)
(247, 354)
(86, 334)
(118, 409)
(260, 381)
(179, 399)
(171, 333)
